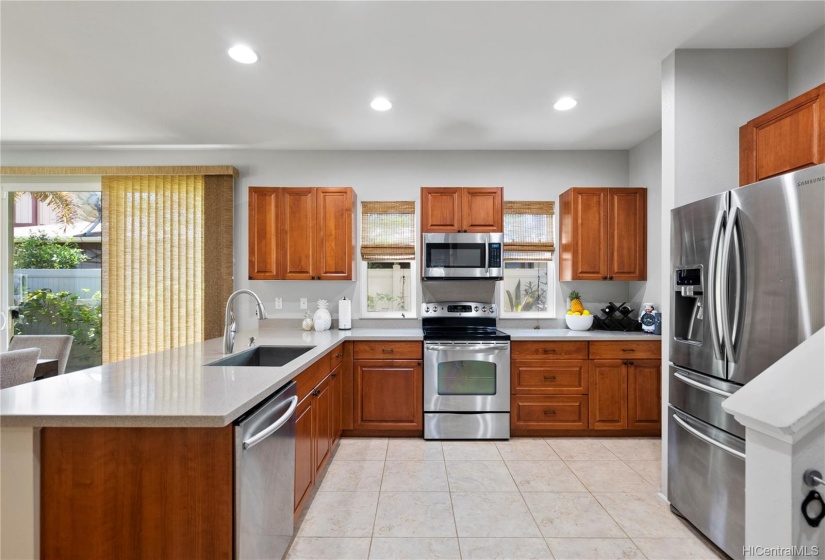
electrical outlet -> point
(303, 303)
(279, 303)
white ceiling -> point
(461, 75)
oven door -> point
(466, 376)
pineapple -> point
(575, 302)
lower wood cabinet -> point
(388, 395)
(336, 393)
(304, 451)
(556, 389)
(323, 421)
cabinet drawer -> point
(625, 349)
(387, 350)
(549, 377)
(548, 413)
(308, 379)
(336, 356)
(549, 349)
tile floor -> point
(560, 498)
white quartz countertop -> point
(176, 388)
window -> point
(388, 259)
(528, 289)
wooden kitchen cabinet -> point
(787, 138)
(644, 395)
(462, 209)
(388, 395)
(304, 452)
(603, 234)
(608, 395)
(301, 233)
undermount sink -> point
(263, 356)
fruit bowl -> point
(579, 322)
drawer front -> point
(387, 350)
(549, 349)
(549, 377)
(549, 413)
(336, 356)
(625, 349)
(308, 379)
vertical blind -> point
(388, 231)
(157, 293)
(528, 230)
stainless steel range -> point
(466, 372)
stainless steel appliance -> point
(747, 270)
(463, 256)
(265, 477)
(466, 372)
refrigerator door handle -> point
(702, 386)
(707, 439)
(715, 335)
(730, 239)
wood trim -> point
(124, 170)
(136, 493)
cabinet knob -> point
(604, 277)
(333, 375)
(610, 278)
(624, 362)
(631, 363)
(465, 231)
(549, 412)
(549, 350)
(628, 349)
(458, 230)
(549, 377)
(316, 392)
(339, 355)
(419, 363)
(387, 350)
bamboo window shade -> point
(528, 230)
(158, 293)
(388, 231)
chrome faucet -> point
(229, 325)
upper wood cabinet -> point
(301, 233)
(603, 234)
(789, 137)
(461, 209)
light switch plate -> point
(303, 303)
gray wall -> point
(716, 92)
(645, 162)
(375, 175)
(806, 63)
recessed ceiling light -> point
(565, 104)
(381, 104)
(243, 54)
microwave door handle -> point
(487, 255)
(715, 335)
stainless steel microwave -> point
(463, 256)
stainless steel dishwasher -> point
(265, 477)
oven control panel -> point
(459, 309)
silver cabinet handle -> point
(465, 347)
(711, 287)
(263, 434)
(487, 254)
(707, 439)
(702, 386)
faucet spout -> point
(229, 324)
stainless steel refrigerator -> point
(747, 277)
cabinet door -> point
(304, 451)
(789, 137)
(644, 394)
(322, 404)
(263, 235)
(440, 210)
(627, 230)
(297, 233)
(482, 209)
(608, 395)
(584, 234)
(565, 412)
(335, 398)
(388, 395)
(334, 212)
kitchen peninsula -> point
(159, 427)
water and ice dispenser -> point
(689, 311)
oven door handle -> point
(492, 346)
